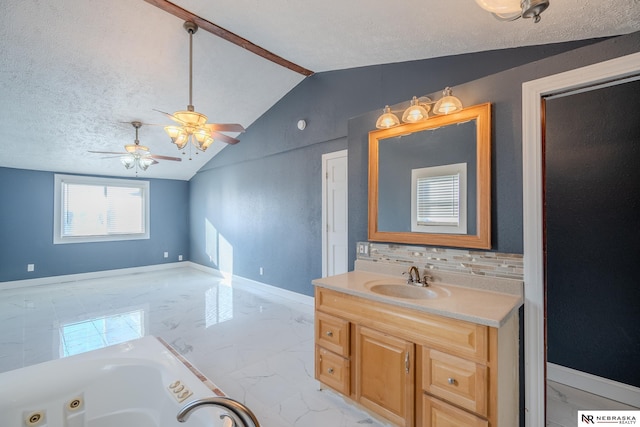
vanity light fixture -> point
(510, 10)
(448, 103)
(387, 119)
(419, 110)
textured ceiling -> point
(74, 73)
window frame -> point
(61, 179)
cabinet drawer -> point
(333, 370)
(455, 380)
(332, 333)
(466, 339)
(438, 414)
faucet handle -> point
(425, 279)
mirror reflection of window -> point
(439, 199)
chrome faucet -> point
(238, 412)
(416, 280)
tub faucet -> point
(238, 412)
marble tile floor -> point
(256, 347)
(564, 402)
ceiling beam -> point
(209, 26)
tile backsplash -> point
(490, 264)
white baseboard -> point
(269, 290)
(263, 288)
(92, 275)
(604, 387)
(241, 282)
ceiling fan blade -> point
(157, 156)
(106, 152)
(224, 138)
(171, 116)
(225, 127)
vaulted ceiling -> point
(74, 74)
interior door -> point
(335, 255)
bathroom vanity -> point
(439, 356)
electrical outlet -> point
(31, 267)
(166, 254)
(179, 257)
(261, 271)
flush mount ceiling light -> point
(193, 126)
(137, 155)
(419, 108)
(510, 10)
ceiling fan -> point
(137, 155)
(193, 126)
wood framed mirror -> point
(407, 159)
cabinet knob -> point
(330, 370)
(329, 333)
(451, 381)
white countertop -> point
(474, 305)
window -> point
(439, 199)
(90, 209)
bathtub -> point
(133, 384)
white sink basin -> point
(400, 289)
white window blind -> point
(439, 200)
(97, 209)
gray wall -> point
(263, 195)
(504, 91)
(26, 230)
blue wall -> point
(504, 91)
(263, 196)
(26, 230)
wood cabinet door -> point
(385, 375)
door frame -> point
(325, 158)
(532, 162)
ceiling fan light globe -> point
(178, 135)
(127, 161)
(182, 141)
(145, 162)
(206, 144)
(201, 135)
(191, 118)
